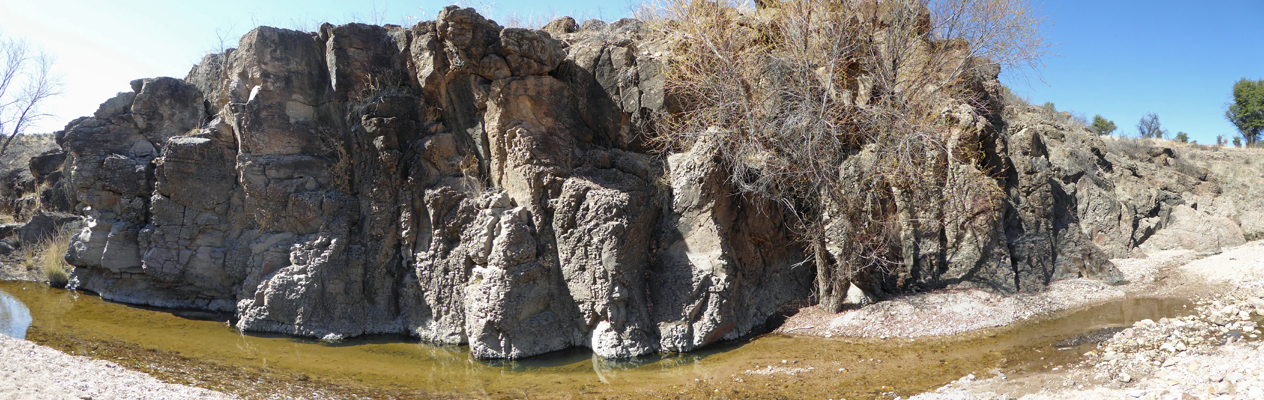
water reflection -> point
(14, 317)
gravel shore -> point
(1216, 353)
(955, 312)
(31, 371)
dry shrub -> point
(853, 115)
(49, 255)
(1134, 148)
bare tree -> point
(796, 89)
(1149, 126)
(26, 82)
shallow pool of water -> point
(14, 317)
(813, 367)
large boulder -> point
(1186, 228)
(165, 107)
(44, 226)
(515, 303)
(47, 163)
(715, 277)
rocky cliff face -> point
(455, 181)
(466, 183)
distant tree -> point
(1102, 126)
(26, 81)
(1049, 106)
(1149, 127)
(1220, 140)
(1182, 137)
(1237, 141)
(1247, 110)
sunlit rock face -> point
(471, 184)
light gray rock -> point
(516, 304)
(165, 107)
(604, 219)
(119, 104)
(1187, 228)
(711, 279)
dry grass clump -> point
(850, 114)
(49, 257)
(1134, 148)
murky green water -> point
(824, 368)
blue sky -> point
(1178, 59)
(1118, 59)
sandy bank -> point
(31, 371)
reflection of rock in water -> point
(198, 315)
(607, 368)
(1095, 336)
(14, 317)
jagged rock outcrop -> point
(467, 183)
(456, 181)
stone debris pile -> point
(1184, 355)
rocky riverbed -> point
(1214, 353)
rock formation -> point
(466, 183)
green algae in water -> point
(402, 367)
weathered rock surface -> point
(43, 226)
(466, 183)
(456, 181)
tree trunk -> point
(830, 288)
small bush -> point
(1013, 99)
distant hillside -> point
(24, 147)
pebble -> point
(1222, 388)
(1234, 377)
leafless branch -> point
(795, 89)
(26, 83)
